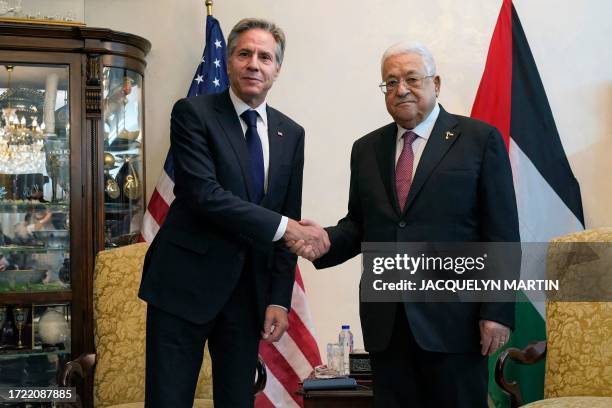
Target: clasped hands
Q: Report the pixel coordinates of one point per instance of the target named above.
(307, 239)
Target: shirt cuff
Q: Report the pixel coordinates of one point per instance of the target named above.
(280, 307)
(282, 227)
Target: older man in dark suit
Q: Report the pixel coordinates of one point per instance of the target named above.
(430, 176)
(217, 270)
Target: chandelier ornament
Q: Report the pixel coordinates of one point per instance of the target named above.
(21, 145)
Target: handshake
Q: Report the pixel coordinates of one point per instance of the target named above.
(306, 239)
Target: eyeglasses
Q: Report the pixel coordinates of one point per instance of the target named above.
(411, 82)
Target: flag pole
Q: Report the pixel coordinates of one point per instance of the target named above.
(209, 5)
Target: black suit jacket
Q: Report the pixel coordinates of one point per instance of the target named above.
(212, 231)
(462, 190)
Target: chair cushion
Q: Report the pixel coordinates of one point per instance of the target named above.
(579, 349)
(572, 402)
(199, 403)
(119, 329)
(579, 334)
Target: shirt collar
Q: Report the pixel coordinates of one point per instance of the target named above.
(240, 107)
(424, 128)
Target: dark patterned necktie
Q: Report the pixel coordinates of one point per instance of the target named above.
(403, 169)
(256, 154)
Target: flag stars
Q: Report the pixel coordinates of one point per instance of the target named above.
(199, 79)
(217, 63)
(203, 60)
(216, 82)
(218, 44)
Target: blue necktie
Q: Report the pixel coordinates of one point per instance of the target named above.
(256, 154)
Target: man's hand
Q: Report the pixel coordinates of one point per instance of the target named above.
(275, 324)
(307, 239)
(493, 336)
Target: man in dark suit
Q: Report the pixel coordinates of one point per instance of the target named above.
(217, 270)
(430, 176)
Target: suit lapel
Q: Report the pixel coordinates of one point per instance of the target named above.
(385, 156)
(228, 119)
(275, 143)
(435, 149)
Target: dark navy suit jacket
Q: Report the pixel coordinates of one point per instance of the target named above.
(213, 232)
(462, 191)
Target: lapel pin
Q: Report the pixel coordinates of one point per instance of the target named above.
(449, 135)
(279, 133)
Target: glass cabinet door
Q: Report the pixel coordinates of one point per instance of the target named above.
(34, 222)
(123, 184)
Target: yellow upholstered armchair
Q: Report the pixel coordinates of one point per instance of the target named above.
(119, 336)
(578, 350)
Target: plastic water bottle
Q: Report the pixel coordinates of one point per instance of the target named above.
(345, 339)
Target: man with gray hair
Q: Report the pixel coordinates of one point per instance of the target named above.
(217, 270)
(430, 176)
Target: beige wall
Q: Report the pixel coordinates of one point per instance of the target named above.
(328, 84)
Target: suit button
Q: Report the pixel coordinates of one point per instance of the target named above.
(402, 224)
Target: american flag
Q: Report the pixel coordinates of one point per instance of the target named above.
(293, 357)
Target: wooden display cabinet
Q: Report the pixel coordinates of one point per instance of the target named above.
(72, 182)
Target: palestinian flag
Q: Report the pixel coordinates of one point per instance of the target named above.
(512, 98)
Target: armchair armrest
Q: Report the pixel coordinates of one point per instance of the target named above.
(82, 366)
(531, 354)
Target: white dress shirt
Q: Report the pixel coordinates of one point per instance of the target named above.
(262, 130)
(423, 131)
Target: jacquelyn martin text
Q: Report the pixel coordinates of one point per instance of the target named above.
(455, 285)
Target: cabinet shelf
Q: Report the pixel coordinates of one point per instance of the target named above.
(121, 208)
(12, 354)
(32, 249)
(41, 297)
(24, 206)
(33, 287)
(122, 145)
